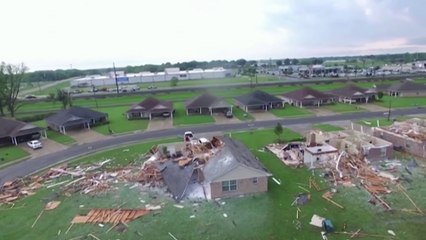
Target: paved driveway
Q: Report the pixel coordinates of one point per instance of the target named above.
(221, 119)
(372, 107)
(263, 115)
(49, 146)
(159, 124)
(86, 136)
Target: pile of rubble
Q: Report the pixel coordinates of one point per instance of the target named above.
(291, 154)
(98, 177)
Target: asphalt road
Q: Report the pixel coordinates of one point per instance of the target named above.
(33, 165)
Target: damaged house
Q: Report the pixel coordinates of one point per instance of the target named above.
(224, 171)
(357, 144)
(409, 135)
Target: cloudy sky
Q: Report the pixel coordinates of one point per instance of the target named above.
(50, 34)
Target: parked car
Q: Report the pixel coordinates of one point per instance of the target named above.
(30, 97)
(228, 114)
(34, 144)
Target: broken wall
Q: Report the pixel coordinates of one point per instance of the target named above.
(408, 144)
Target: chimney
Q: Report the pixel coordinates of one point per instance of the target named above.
(312, 140)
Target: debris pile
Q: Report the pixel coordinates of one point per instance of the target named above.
(114, 216)
(291, 154)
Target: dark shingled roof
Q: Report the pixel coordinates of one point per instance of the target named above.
(151, 104)
(176, 178)
(407, 86)
(75, 114)
(206, 100)
(257, 98)
(13, 128)
(229, 157)
(350, 90)
(303, 93)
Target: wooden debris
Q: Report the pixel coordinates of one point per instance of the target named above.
(93, 236)
(328, 195)
(304, 189)
(52, 205)
(411, 200)
(38, 217)
(355, 233)
(69, 228)
(171, 235)
(114, 216)
(314, 184)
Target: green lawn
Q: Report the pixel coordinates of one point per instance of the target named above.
(262, 216)
(238, 113)
(8, 154)
(401, 102)
(327, 127)
(180, 117)
(290, 111)
(343, 107)
(382, 121)
(51, 89)
(55, 136)
(118, 122)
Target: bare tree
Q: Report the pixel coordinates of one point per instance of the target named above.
(11, 77)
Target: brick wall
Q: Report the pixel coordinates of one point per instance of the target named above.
(408, 145)
(244, 186)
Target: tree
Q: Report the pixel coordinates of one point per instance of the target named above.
(279, 63)
(295, 61)
(287, 62)
(64, 97)
(241, 62)
(380, 95)
(11, 77)
(174, 81)
(278, 130)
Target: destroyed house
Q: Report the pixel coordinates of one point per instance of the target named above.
(234, 170)
(357, 144)
(307, 97)
(353, 94)
(149, 108)
(258, 100)
(407, 89)
(75, 118)
(409, 135)
(207, 104)
(318, 154)
(14, 132)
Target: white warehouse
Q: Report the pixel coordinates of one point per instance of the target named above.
(143, 77)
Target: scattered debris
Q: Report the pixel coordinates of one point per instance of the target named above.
(302, 199)
(276, 181)
(317, 221)
(391, 232)
(225, 215)
(172, 236)
(52, 205)
(291, 154)
(178, 206)
(110, 216)
(328, 195)
(38, 217)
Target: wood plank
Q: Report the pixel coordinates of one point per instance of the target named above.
(125, 216)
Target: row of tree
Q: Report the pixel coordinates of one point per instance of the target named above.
(11, 77)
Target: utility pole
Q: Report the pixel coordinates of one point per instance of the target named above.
(115, 77)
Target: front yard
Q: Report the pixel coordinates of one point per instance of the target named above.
(401, 102)
(8, 154)
(327, 127)
(55, 136)
(118, 122)
(180, 118)
(343, 107)
(290, 111)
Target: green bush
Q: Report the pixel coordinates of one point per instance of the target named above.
(34, 118)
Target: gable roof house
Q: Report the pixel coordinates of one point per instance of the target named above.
(258, 100)
(407, 89)
(307, 97)
(207, 104)
(234, 170)
(14, 132)
(150, 107)
(75, 118)
(353, 94)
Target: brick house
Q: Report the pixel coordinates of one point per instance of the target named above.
(354, 94)
(234, 170)
(307, 97)
(149, 108)
(407, 89)
(258, 100)
(14, 132)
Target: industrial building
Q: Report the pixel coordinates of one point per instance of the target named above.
(146, 77)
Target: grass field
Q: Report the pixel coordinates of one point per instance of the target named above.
(9, 154)
(343, 107)
(55, 136)
(118, 122)
(180, 117)
(290, 111)
(262, 216)
(327, 127)
(401, 102)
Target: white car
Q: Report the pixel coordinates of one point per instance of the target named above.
(35, 144)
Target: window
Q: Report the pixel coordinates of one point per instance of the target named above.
(255, 180)
(230, 185)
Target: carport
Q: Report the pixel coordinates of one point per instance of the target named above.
(14, 132)
(258, 100)
(207, 104)
(150, 107)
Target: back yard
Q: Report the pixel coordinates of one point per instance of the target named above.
(262, 216)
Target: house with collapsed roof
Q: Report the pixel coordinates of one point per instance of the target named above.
(149, 108)
(355, 143)
(409, 135)
(207, 104)
(258, 100)
(307, 97)
(406, 89)
(354, 94)
(232, 170)
(75, 118)
(14, 132)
